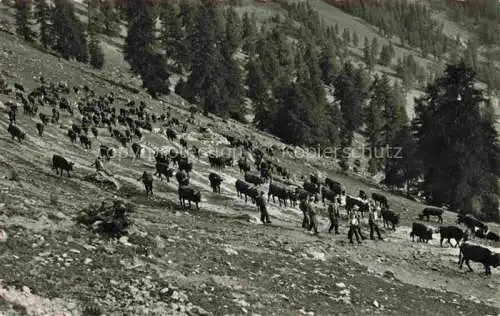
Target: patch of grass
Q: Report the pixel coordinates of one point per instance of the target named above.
(54, 199)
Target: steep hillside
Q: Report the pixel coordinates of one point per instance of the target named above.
(219, 260)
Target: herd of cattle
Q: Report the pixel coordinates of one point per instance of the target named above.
(130, 120)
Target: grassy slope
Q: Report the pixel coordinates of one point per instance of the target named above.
(277, 269)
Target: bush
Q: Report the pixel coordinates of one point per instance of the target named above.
(14, 175)
(110, 220)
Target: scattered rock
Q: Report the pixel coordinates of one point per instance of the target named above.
(3, 235)
(340, 285)
(230, 251)
(376, 304)
(87, 261)
(26, 289)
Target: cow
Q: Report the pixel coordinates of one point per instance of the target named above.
(253, 178)
(363, 195)
(171, 135)
(448, 232)
(182, 178)
(196, 151)
(334, 186)
(44, 118)
(106, 152)
(244, 189)
(220, 162)
(183, 143)
(162, 169)
(390, 217)
(243, 166)
(59, 163)
(215, 181)
(16, 132)
(489, 235)
(72, 135)
(311, 187)
(328, 194)
(185, 165)
(94, 131)
(478, 254)
(19, 87)
(431, 211)
(423, 232)
(147, 179)
(40, 128)
(189, 193)
(381, 199)
(85, 141)
(76, 128)
(279, 191)
(354, 201)
(137, 149)
(471, 223)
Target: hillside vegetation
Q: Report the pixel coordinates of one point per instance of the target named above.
(304, 83)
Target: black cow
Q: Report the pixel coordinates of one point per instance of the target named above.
(448, 232)
(423, 232)
(16, 132)
(334, 186)
(76, 128)
(215, 181)
(431, 211)
(196, 151)
(390, 217)
(183, 143)
(59, 163)
(311, 187)
(44, 118)
(328, 194)
(478, 254)
(40, 128)
(280, 191)
(220, 162)
(182, 178)
(19, 87)
(381, 199)
(95, 131)
(171, 135)
(147, 179)
(137, 149)
(363, 195)
(489, 235)
(253, 178)
(106, 152)
(353, 201)
(72, 135)
(243, 165)
(245, 189)
(189, 193)
(471, 222)
(85, 141)
(185, 165)
(162, 169)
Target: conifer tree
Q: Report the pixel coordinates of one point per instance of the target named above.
(111, 21)
(249, 33)
(233, 30)
(43, 15)
(458, 160)
(24, 19)
(69, 33)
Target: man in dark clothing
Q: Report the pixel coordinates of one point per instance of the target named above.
(333, 214)
(303, 206)
(372, 221)
(12, 116)
(261, 203)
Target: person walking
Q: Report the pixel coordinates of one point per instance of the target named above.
(372, 222)
(313, 220)
(353, 227)
(333, 214)
(261, 203)
(303, 206)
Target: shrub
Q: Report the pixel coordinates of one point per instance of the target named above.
(110, 220)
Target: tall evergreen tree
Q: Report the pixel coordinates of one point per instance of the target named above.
(43, 16)
(249, 33)
(328, 65)
(69, 33)
(95, 52)
(458, 161)
(172, 35)
(233, 30)
(111, 21)
(141, 51)
(24, 19)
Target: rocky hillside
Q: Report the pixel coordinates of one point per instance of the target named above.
(216, 261)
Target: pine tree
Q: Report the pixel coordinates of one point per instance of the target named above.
(43, 16)
(141, 50)
(346, 35)
(69, 33)
(95, 52)
(355, 39)
(233, 30)
(367, 55)
(95, 18)
(328, 65)
(385, 56)
(249, 33)
(111, 23)
(394, 113)
(172, 35)
(459, 166)
(23, 19)
(375, 122)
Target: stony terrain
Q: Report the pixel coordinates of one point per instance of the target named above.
(219, 260)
